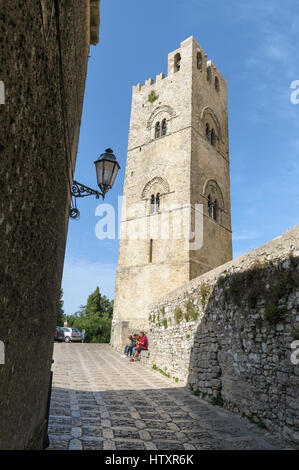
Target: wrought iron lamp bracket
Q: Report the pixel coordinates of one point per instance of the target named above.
(80, 190)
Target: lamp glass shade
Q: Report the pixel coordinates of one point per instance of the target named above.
(107, 168)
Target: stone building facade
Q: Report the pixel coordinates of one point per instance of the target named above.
(232, 335)
(176, 220)
(44, 48)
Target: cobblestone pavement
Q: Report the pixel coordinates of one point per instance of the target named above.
(102, 401)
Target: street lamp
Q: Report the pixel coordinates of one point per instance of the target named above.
(107, 168)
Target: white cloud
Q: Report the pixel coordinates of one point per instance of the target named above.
(81, 277)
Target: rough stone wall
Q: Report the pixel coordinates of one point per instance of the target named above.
(228, 334)
(39, 130)
(177, 166)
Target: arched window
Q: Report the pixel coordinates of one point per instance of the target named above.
(210, 206)
(199, 61)
(217, 84)
(177, 62)
(164, 127)
(215, 210)
(157, 130)
(213, 138)
(208, 133)
(209, 74)
(158, 202)
(214, 201)
(153, 204)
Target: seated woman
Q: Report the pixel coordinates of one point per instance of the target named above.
(142, 345)
(129, 347)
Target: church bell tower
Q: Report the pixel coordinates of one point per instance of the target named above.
(176, 216)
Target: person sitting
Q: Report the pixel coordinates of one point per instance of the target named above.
(129, 347)
(142, 345)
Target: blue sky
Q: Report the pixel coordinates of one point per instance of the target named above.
(255, 45)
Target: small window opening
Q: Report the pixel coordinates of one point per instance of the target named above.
(215, 210)
(157, 130)
(151, 251)
(208, 133)
(213, 138)
(164, 127)
(153, 205)
(158, 202)
(177, 62)
(199, 61)
(209, 74)
(210, 206)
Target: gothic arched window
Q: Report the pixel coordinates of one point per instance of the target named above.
(177, 62)
(164, 127)
(213, 138)
(208, 133)
(215, 210)
(199, 61)
(157, 130)
(217, 84)
(214, 201)
(210, 206)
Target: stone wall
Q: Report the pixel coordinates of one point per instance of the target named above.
(44, 47)
(228, 334)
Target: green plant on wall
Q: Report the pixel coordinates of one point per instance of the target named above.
(204, 293)
(164, 322)
(266, 282)
(274, 314)
(191, 312)
(152, 97)
(218, 400)
(178, 314)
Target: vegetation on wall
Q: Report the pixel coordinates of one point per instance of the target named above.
(204, 293)
(265, 282)
(178, 315)
(152, 97)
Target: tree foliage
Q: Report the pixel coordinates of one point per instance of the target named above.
(95, 318)
(60, 311)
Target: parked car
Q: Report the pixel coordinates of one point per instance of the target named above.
(71, 334)
(59, 334)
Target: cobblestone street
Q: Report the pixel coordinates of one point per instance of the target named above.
(102, 401)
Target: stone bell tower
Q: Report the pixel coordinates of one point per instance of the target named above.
(176, 182)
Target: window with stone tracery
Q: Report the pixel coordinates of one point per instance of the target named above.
(214, 201)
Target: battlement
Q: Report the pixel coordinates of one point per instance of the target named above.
(187, 58)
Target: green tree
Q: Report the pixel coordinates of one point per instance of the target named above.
(60, 311)
(95, 317)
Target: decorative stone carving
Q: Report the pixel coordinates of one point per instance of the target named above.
(158, 110)
(157, 180)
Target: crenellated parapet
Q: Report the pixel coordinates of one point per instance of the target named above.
(179, 61)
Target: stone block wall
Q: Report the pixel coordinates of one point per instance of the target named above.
(228, 335)
(44, 47)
